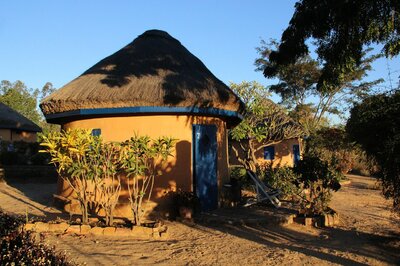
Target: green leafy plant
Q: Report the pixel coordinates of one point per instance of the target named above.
(264, 124)
(109, 189)
(375, 125)
(140, 156)
(75, 154)
(19, 247)
(282, 178)
(93, 168)
(316, 180)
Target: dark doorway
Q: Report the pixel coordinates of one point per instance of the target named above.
(205, 165)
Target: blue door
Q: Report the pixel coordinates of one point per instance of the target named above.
(205, 165)
(296, 154)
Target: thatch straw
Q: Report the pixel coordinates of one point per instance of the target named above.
(153, 70)
(11, 119)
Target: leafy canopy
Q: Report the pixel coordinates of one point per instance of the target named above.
(340, 30)
(297, 86)
(265, 123)
(375, 124)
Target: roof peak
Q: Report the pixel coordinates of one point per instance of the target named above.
(157, 33)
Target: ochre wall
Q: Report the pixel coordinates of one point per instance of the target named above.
(12, 135)
(177, 171)
(283, 154)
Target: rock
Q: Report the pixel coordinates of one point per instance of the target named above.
(85, 229)
(58, 228)
(123, 232)
(142, 232)
(29, 227)
(73, 229)
(164, 235)
(41, 227)
(96, 231)
(109, 231)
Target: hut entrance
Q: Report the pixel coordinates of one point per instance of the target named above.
(205, 165)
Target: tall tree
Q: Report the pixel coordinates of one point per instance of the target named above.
(297, 86)
(17, 96)
(340, 30)
(264, 123)
(375, 124)
(25, 100)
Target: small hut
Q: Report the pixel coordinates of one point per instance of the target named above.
(16, 127)
(154, 86)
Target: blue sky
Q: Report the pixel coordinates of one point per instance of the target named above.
(56, 41)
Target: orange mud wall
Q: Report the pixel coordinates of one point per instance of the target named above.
(13, 135)
(177, 172)
(283, 154)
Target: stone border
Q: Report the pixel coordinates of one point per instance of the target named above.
(326, 220)
(137, 232)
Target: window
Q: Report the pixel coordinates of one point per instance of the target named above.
(269, 153)
(96, 132)
(296, 154)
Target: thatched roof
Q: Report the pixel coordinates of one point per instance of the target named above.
(154, 70)
(11, 119)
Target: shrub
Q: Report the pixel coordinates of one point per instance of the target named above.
(283, 179)
(20, 248)
(333, 146)
(139, 158)
(92, 168)
(318, 179)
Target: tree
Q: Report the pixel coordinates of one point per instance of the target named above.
(17, 96)
(264, 123)
(375, 125)
(298, 88)
(25, 101)
(340, 30)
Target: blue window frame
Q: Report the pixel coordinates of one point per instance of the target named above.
(269, 152)
(96, 132)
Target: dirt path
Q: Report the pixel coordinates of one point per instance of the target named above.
(368, 235)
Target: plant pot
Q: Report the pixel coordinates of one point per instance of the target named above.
(186, 212)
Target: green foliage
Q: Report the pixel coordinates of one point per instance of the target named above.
(332, 146)
(20, 248)
(75, 154)
(264, 123)
(307, 102)
(340, 30)
(282, 178)
(92, 168)
(17, 96)
(186, 199)
(375, 125)
(25, 101)
(318, 179)
(140, 157)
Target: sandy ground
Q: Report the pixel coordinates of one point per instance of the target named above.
(368, 235)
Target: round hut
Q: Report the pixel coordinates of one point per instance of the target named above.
(154, 86)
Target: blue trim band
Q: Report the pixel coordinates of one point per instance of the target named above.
(147, 110)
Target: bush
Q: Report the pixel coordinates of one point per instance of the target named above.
(375, 125)
(20, 248)
(239, 173)
(282, 178)
(318, 179)
(333, 146)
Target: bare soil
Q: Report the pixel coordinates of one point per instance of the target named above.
(368, 234)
